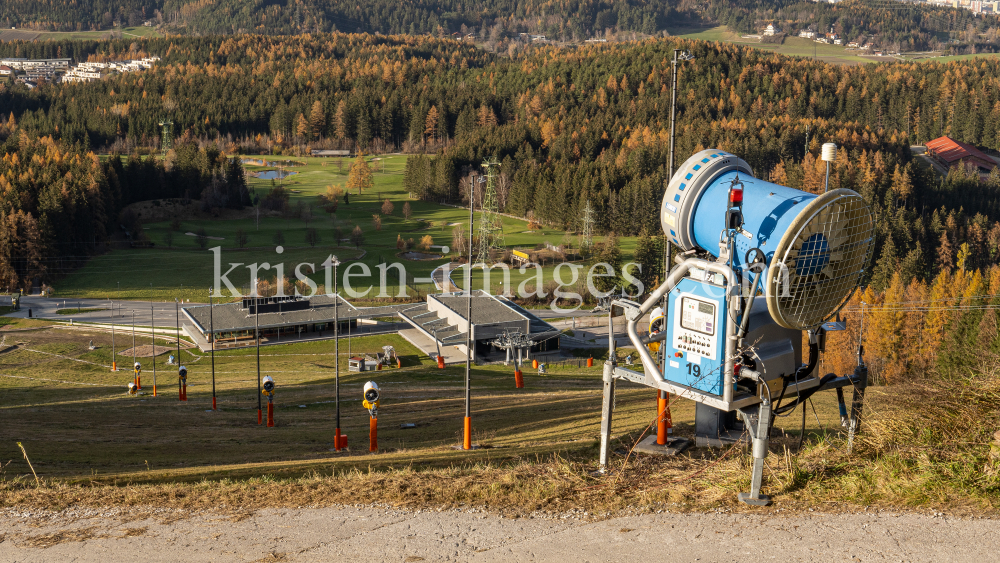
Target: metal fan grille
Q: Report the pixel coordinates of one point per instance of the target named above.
(814, 272)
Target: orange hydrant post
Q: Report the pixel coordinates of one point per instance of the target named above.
(336, 439)
(373, 435)
(184, 392)
(467, 434)
(534, 364)
(661, 420)
(518, 379)
(260, 417)
(270, 413)
(590, 362)
(440, 362)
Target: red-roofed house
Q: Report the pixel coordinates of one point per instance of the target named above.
(950, 152)
(6, 70)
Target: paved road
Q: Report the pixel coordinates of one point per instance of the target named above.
(387, 534)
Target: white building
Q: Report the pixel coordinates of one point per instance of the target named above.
(771, 30)
(91, 70)
(807, 34)
(25, 64)
(83, 75)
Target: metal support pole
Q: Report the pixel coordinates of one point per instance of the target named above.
(336, 352)
(211, 335)
(760, 442)
(114, 362)
(177, 319)
(673, 111)
(467, 426)
(666, 241)
(256, 333)
(152, 323)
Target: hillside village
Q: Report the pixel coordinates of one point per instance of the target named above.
(31, 71)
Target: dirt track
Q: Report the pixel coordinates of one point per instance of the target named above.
(388, 534)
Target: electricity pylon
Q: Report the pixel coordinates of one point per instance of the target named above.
(490, 225)
(588, 228)
(167, 136)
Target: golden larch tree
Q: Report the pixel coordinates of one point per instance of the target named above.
(340, 121)
(317, 119)
(360, 176)
(302, 127)
(431, 123)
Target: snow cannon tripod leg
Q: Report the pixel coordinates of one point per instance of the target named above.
(607, 409)
(759, 441)
(857, 404)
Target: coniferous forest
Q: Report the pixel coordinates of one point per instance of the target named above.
(899, 25)
(570, 125)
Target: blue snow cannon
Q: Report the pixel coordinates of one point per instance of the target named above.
(816, 246)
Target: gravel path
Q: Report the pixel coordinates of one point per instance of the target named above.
(389, 534)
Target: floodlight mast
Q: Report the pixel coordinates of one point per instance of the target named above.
(662, 397)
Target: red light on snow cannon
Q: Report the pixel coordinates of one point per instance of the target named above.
(736, 196)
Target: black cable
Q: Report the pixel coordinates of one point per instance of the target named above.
(803, 371)
(802, 432)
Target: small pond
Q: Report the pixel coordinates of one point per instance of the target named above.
(419, 256)
(273, 174)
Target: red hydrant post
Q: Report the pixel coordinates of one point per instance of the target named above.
(182, 375)
(373, 434)
(269, 393)
(440, 362)
(518, 379)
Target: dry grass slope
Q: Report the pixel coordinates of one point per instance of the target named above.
(926, 444)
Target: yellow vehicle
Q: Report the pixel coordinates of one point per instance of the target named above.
(656, 320)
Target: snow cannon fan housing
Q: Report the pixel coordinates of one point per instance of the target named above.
(816, 246)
